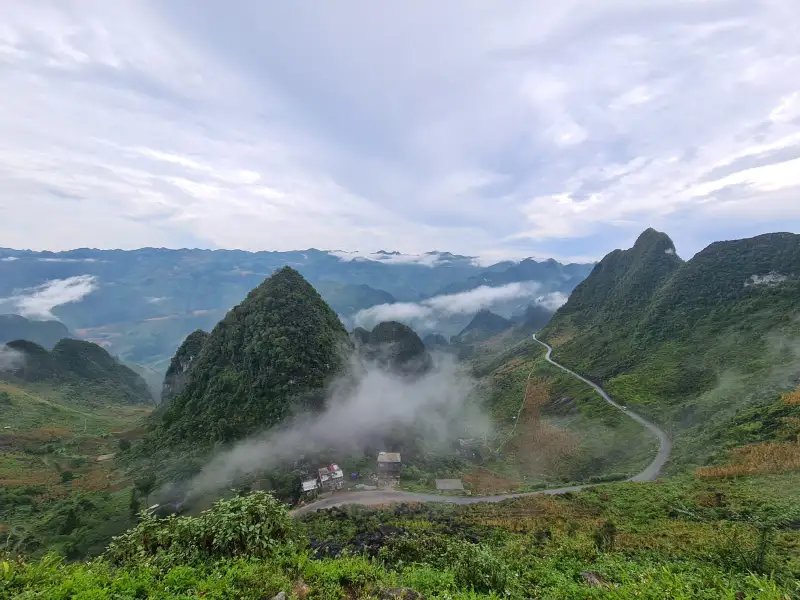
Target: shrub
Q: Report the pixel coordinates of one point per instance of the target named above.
(255, 525)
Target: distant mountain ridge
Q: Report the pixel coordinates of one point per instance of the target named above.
(141, 304)
(92, 371)
(44, 333)
(483, 325)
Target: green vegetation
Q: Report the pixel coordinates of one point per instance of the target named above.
(695, 345)
(44, 333)
(83, 368)
(272, 353)
(179, 366)
(670, 540)
(55, 495)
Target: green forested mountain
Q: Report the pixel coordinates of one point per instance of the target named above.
(271, 354)
(44, 333)
(691, 343)
(180, 364)
(483, 325)
(85, 367)
(395, 346)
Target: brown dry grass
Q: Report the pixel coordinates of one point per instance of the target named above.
(757, 459)
(539, 447)
(486, 482)
(792, 398)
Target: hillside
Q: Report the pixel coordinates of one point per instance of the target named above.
(483, 325)
(270, 355)
(83, 367)
(692, 343)
(179, 366)
(44, 333)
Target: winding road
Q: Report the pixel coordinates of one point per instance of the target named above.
(380, 497)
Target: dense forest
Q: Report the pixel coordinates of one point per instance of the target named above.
(270, 355)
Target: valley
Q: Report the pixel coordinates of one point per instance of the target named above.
(582, 439)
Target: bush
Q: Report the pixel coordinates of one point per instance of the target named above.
(254, 525)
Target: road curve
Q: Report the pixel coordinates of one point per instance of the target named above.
(379, 497)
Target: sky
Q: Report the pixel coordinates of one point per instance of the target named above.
(493, 129)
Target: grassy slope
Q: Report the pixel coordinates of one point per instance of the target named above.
(672, 540)
(47, 431)
(699, 349)
(570, 434)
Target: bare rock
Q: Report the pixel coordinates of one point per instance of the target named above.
(593, 579)
(279, 596)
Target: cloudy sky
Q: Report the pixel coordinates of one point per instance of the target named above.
(497, 129)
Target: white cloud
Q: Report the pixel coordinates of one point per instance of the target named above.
(503, 127)
(39, 301)
(9, 259)
(427, 312)
(428, 259)
(67, 260)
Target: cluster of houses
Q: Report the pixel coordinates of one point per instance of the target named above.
(331, 477)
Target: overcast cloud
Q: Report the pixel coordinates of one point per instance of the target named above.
(511, 128)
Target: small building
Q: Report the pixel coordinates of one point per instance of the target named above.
(330, 477)
(449, 484)
(310, 486)
(389, 465)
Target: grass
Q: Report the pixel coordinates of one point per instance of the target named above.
(54, 493)
(680, 539)
(564, 431)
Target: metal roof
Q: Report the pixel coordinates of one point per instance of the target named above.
(449, 484)
(390, 457)
(309, 485)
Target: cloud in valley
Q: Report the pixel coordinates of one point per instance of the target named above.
(426, 313)
(38, 302)
(362, 407)
(10, 359)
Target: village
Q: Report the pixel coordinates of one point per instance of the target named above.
(332, 478)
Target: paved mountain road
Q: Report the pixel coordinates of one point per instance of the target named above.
(379, 497)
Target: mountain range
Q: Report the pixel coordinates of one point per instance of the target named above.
(694, 344)
(141, 304)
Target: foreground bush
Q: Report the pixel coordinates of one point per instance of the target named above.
(256, 525)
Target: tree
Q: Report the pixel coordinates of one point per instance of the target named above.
(135, 505)
(145, 486)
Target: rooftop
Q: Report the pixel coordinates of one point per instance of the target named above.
(390, 457)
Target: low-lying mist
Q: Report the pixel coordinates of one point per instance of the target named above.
(362, 407)
(10, 359)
